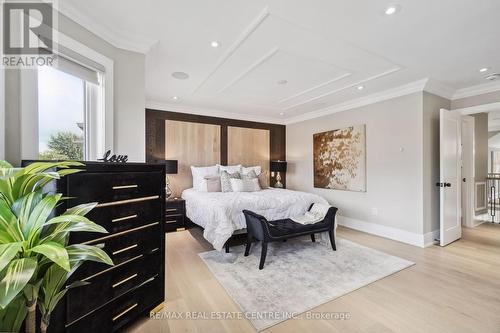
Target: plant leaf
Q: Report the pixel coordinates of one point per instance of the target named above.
(70, 223)
(9, 229)
(8, 252)
(81, 210)
(40, 214)
(55, 252)
(17, 275)
(12, 317)
(80, 252)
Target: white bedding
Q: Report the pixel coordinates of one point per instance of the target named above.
(221, 213)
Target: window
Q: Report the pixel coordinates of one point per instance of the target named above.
(69, 112)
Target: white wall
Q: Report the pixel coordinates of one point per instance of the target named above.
(395, 164)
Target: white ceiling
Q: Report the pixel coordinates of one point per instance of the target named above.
(325, 49)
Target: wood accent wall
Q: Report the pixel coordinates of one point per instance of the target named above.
(190, 144)
(248, 146)
(155, 134)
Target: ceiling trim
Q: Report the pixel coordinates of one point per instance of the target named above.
(374, 77)
(157, 105)
(439, 89)
(113, 37)
(253, 66)
(479, 108)
(247, 32)
(403, 90)
(480, 89)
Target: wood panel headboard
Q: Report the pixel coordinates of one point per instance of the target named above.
(190, 144)
(257, 140)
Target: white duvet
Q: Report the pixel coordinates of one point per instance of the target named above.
(222, 213)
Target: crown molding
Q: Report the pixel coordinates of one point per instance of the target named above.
(439, 89)
(410, 88)
(480, 89)
(113, 37)
(162, 106)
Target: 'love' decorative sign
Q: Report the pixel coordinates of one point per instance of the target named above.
(114, 158)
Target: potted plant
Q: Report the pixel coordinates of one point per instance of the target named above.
(35, 258)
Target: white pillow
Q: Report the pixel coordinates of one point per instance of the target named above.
(199, 174)
(230, 168)
(245, 185)
(257, 169)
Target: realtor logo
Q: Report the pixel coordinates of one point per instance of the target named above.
(27, 33)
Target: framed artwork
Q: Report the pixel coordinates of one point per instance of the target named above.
(340, 159)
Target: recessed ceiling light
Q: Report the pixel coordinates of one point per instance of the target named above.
(392, 9)
(361, 87)
(215, 44)
(282, 113)
(282, 82)
(180, 75)
(484, 69)
(175, 98)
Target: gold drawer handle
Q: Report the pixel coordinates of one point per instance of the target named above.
(124, 280)
(171, 209)
(125, 249)
(124, 312)
(123, 187)
(171, 221)
(124, 218)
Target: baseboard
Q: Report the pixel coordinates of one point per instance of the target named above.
(420, 240)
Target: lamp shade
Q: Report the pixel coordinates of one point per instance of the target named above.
(278, 166)
(171, 167)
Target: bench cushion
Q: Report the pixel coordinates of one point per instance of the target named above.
(287, 227)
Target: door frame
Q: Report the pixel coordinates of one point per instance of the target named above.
(468, 172)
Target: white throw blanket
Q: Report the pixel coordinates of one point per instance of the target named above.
(316, 214)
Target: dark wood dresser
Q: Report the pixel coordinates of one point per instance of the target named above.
(131, 207)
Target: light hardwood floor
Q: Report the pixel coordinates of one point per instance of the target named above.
(451, 289)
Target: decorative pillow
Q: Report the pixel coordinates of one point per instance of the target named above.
(264, 179)
(229, 168)
(200, 172)
(245, 185)
(211, 184)
(250, 175)
(225, 180)
(257, 169)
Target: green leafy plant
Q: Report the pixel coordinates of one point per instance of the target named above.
(35, 258)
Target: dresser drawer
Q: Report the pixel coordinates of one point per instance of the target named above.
(120, 218)
(123, 247)
(122, 311)
(111, 187)
(108, 285)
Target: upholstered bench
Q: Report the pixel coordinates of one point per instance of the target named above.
(259, 228)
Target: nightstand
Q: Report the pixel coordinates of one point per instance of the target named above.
(175, 215)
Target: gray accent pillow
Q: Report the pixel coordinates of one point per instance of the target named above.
(225, 181)
(250, 175)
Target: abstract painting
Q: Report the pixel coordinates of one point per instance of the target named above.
(340, 159)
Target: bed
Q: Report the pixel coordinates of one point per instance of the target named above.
(221, 214)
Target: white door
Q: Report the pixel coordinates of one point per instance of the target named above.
(450, 176)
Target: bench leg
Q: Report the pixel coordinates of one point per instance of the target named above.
(263, 254)
(313, 239)
(332, 240)
(227, 247)
(249, 244)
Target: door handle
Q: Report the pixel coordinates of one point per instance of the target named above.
(443, 184)
(447, 184)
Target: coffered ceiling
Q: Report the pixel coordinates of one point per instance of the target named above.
(280, 59)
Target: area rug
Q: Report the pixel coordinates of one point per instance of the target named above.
(298, 276)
